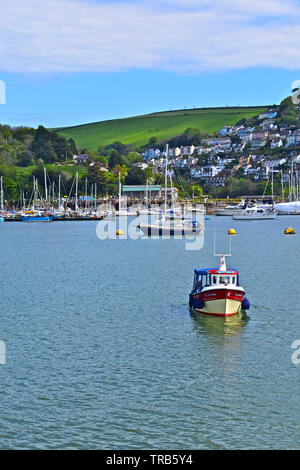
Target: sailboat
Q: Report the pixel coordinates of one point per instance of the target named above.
(292, 206)
(34, 214)
(168, 227)
(147, 208)
(1, 197)
(122, 212)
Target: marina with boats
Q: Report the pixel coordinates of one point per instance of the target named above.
(161, 202)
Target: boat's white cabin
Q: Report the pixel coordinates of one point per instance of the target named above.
(223, 279)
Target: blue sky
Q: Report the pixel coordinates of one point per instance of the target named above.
(76, 61)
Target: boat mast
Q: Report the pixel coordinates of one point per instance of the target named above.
(76, 191)
(2, 206)
(120, 189)
(166, 177)
(222, 255)
(282, 190)
(85, 194)
(272, 184)
(59, 191)
(53, 195)
(146, 198)
(46, 189)
(34, 193)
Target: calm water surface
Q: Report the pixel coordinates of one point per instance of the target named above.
(102, 351)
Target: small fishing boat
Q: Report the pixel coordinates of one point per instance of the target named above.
(217, 291)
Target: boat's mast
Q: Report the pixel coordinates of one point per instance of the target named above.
(166, 177)
(272, 182)
(2, 206)
(146, 198)
(172, 192)
(95, 195)
(291, 190)
(222, 255)
(120, 190)
(34, 193)
(53, 195)
(46, 189)
(59, 191)
(76, 191)
(282, 190)
(85, 194)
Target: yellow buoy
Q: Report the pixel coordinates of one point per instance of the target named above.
(289, 231)
(231, 231)
(119, 232)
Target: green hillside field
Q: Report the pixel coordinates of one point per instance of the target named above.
(138, 129)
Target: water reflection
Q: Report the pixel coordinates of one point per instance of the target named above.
(219, 327)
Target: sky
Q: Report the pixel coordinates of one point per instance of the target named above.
(67, 62)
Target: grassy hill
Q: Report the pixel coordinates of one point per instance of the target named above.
(138, 129)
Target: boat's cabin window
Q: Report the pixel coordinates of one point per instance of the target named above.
(224, 280)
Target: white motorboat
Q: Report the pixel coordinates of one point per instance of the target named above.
(255, 213)
(227, 210)
(230, 209)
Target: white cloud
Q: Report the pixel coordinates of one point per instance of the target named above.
(191, 36)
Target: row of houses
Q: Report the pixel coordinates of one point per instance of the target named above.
(211, 146)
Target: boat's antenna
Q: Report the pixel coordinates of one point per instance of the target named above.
(222, 255)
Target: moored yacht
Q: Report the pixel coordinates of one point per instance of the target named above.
(228, 210)
(163, 227)
(255, 212)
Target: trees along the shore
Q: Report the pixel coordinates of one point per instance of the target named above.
(115, 159)
(136, 176)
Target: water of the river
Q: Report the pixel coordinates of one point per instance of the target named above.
(103, 352)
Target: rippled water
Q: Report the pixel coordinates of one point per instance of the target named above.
(102, 351)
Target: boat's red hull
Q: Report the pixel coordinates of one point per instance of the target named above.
(220, 302)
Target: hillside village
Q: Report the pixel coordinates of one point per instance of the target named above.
(248, 151)
(252, 150)
(235, 160)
